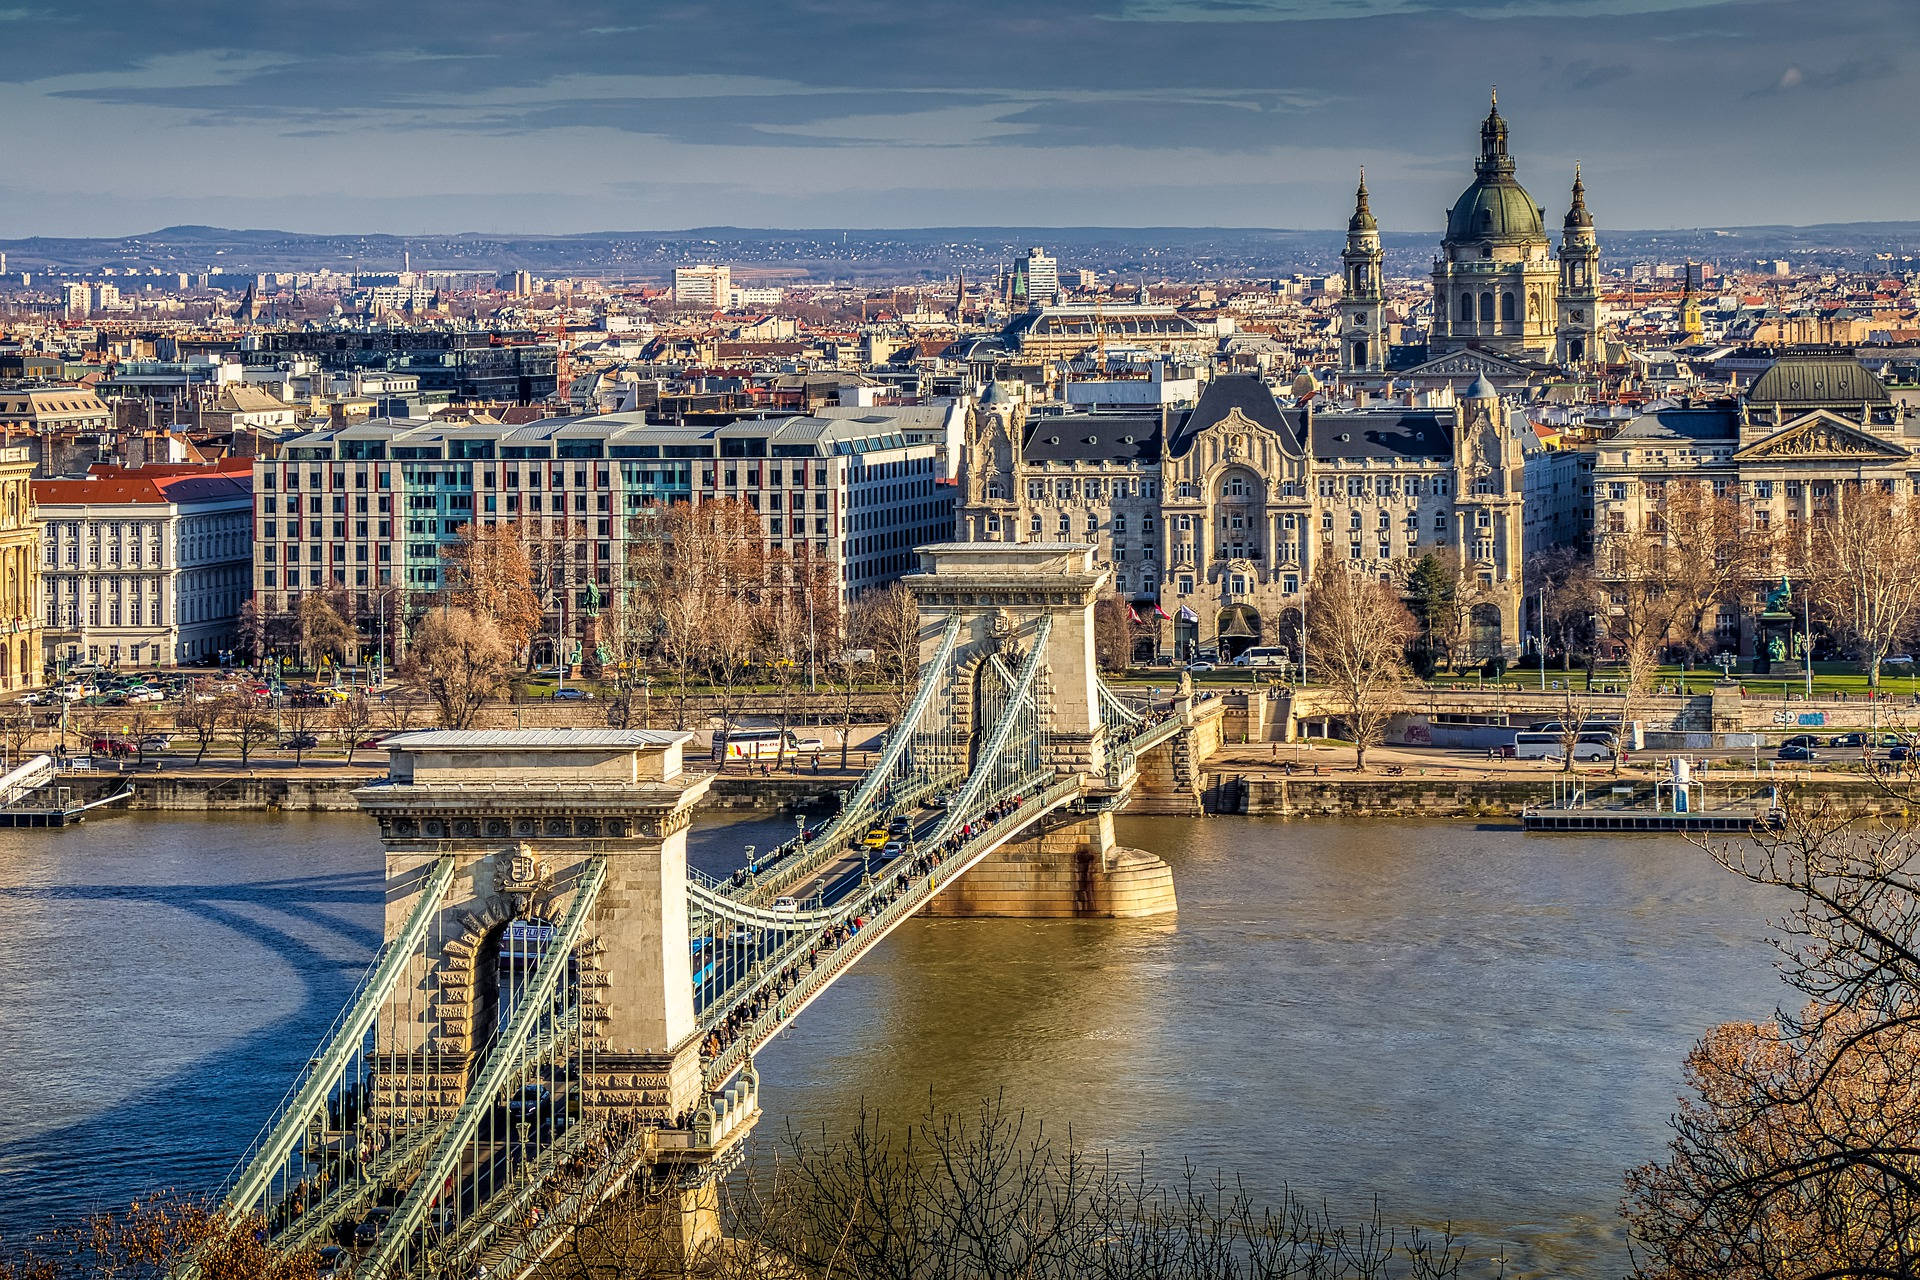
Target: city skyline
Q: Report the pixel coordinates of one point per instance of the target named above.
(1125, 113)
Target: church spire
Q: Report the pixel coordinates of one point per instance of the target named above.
(1363, 219)
(1577, 215)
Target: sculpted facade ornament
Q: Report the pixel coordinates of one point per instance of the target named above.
(1822, 438)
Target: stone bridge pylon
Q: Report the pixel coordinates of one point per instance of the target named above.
(1070, 865)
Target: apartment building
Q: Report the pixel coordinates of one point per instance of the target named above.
(370, 508)
(144, 566)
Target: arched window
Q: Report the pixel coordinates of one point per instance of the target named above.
(1466, 307)
(1506, 308)
(1486, 307)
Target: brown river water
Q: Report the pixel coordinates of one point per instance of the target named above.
(1462, 1023)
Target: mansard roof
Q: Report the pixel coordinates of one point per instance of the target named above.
(1127, 439)
(1383, 434)
(1798, 380)
(1247, 393)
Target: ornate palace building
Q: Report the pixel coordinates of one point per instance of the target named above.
(1220, 514)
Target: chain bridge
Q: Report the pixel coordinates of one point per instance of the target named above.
(562, 1007)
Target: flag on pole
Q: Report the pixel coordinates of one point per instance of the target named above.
(1162, 612)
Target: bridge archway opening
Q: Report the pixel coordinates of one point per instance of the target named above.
(1239, 630)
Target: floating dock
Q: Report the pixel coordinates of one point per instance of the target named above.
(1677, 803)
(1627, 818)
(29, 797)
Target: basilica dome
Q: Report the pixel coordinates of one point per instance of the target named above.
(1495, 207)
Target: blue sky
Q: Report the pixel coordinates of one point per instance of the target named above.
(499, 115)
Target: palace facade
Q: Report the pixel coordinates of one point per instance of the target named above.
(1220, 514)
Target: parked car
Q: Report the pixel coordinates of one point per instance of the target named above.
(35, 699)
(115, 748)
(1797, 751)
(572, 695)
(155, 741)
(300, 742)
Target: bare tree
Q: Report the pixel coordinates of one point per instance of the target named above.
(351, 720)
(695, 573)
(201, 714)
(400, 709)
(1115, 629)
(324, 631)
(1863, 569)
(491, 574)
(155, 1238)
(887, 621)
(16, 730)
(1360, 634)
(1797, 1154)
(458, 660)
(252, 726)
(300, 720)
(1691, 552)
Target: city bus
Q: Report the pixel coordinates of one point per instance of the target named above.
(1553, 746)
(766, 744)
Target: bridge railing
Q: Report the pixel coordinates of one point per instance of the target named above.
(266, 1159)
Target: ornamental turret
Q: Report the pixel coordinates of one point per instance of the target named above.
(1363, 338)
(1579, 328)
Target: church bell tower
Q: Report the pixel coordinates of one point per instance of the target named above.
(1578, 337)
(1363, 337)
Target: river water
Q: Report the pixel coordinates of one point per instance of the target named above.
(1466, 1023)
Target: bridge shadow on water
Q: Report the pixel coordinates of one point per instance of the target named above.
(233, 949)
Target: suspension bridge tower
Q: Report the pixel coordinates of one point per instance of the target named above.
(1008, 597)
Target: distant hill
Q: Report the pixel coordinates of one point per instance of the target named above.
(1178, 253)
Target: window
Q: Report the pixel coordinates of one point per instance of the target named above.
(1119, 524)
(1186, 586)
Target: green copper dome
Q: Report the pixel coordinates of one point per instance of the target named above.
(1496, 207)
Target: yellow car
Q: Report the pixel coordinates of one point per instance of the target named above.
(876, 838)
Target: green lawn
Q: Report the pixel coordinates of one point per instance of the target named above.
(1829, 678)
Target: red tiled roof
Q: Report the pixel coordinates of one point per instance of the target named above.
(158, 484)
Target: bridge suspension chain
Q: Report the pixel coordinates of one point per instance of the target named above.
(308, 1100)
(740, 951)
(922, 756)
(470, 1167)
(931, 679)
(882, 907)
